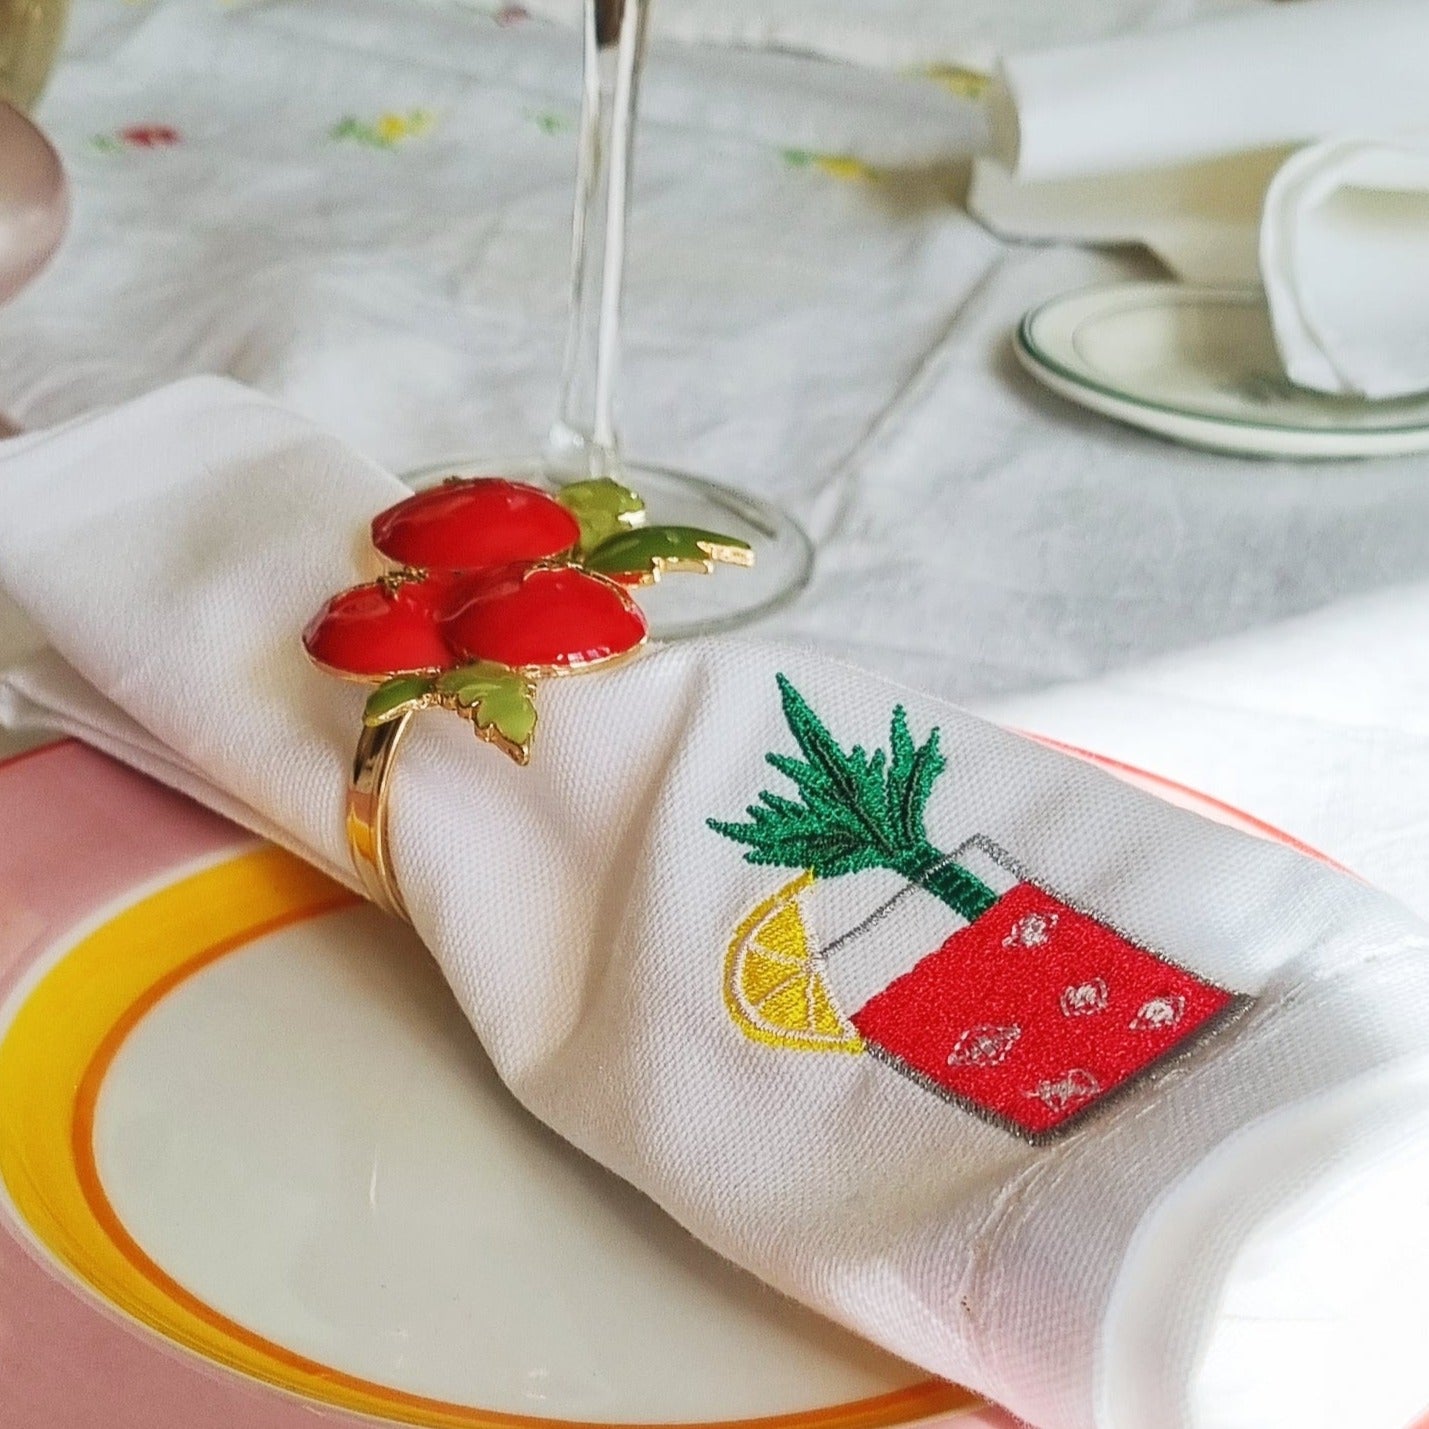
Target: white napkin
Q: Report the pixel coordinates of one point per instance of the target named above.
(1320, 726)
(1344, 255)
(597, 931)
(1180, 141)
(1254, 79)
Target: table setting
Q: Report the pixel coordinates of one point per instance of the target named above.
(1291, 211)
(870, 872)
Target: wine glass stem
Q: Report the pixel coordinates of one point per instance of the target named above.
(583, 441)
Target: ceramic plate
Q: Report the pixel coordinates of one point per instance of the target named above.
(254, 1166)
(1199, 365)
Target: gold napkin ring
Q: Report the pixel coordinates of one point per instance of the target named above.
(367, 827)
(489, 586)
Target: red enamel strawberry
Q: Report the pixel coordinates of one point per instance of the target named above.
(390, 627)
(475, 524)
(499, 584)
(535, 618)
(473, 643)
(542, 618)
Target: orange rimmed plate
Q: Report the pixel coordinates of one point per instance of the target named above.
(255, 1169)
(254, 1166)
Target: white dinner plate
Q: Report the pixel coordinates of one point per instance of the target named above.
(255, 1170)
(1199, 366)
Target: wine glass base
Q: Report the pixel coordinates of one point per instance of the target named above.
(680, 606)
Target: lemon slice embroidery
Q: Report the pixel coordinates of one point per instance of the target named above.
(774, 988)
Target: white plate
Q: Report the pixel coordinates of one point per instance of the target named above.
(1199, 365)
(242, 1115)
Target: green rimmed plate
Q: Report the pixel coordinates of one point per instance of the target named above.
(1199, 366)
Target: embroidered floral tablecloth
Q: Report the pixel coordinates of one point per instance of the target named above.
(361, 207)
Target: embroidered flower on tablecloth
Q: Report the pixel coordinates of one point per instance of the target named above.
(837, 166)
(387, 131)
(138, 136)
(958, 80)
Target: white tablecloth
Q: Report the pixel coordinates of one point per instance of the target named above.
(903, 33)
(361, 208)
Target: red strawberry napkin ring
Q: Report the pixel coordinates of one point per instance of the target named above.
(491, 586)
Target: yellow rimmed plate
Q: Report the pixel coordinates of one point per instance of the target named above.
(240, 1112)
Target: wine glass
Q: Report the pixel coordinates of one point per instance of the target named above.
(583, 443)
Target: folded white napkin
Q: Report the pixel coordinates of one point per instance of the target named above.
(1256, 78)
(1180, 141)
(1319, 725)
(1344, 256)
(1021, 1086)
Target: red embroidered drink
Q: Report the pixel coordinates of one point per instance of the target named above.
(969, 977)
(1034, 1011)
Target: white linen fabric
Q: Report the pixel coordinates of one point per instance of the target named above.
(831, 334)
(899, 33)
(1182, 142)
(410, 292)
(1318, 725)
(1200, 218)
(581, 909)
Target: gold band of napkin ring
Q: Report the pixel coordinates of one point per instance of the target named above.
(368, 833)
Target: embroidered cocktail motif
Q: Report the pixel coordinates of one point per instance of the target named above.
(493, 584)
(967, 975)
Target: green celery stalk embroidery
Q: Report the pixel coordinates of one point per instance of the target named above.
(855, 810)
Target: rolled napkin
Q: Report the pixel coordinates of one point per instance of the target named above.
(1320, 725)
(1186, 142)
(1262, 77)
(1008, 1067)
(1343, 242)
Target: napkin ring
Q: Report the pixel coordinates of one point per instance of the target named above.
(489, 586)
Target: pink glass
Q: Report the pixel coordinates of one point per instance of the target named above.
(34, 207)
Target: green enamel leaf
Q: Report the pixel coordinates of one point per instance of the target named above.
(397, 697)
(602, 507)
(497, 700)
(469, 683)
(650, 550)
(510, 711)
